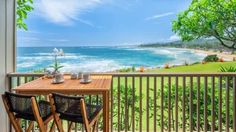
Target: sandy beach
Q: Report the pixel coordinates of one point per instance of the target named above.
(226, 56)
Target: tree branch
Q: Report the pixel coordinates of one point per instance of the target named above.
(217, 36)
(222, 43)
(230, 34)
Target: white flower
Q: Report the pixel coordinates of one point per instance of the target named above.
(55, 51)
(61, 52)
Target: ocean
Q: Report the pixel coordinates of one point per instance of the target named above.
(103, 59)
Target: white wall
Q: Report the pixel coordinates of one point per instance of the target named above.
(7, 52)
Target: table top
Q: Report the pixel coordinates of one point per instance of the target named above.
(99, 84)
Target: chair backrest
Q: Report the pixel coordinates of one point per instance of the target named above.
(18, 103)
(67, 105)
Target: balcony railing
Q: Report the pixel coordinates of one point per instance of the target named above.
(165, 102)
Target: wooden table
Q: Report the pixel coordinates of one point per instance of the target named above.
(100, 84)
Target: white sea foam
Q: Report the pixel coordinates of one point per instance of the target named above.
(180, 56)
(134, 48)
(159, 51)
(51, 54)
(92, 66)
(42, 54)
(26, 64)
(49, 58)
(34, 58)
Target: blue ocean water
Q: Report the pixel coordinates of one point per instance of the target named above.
(102, 59)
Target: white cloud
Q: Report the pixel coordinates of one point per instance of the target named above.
(28, 31)
(28, 39)
(32, 39)
(174, 38)
(86, 22)
(66, 11)
(160, 16)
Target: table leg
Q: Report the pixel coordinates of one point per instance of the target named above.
(106, 111)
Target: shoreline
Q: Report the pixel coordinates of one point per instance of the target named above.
(225, 55)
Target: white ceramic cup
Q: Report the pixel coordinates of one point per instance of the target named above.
(86, 77)
(80, 75)
(74, 75)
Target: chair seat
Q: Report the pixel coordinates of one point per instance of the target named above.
(44, 108)
(92, 111)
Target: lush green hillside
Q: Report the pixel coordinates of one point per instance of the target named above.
(209, 67)
(204, 44)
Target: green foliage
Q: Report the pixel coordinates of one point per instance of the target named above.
(228, 69)
(200, 68)
(203, 44)
(186, 90)
(195, 63)
(129, 69)
(133, 69)
(22, 10)
(230, 79)
(38, 71)
(211, 58)
(56, 66)
(208, 18)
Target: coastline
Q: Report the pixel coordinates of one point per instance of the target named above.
(111, 59)
(225, 55)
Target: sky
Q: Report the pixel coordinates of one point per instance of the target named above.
(100, 22)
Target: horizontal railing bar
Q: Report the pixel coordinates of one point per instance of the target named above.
(15, 74)
(169, 74)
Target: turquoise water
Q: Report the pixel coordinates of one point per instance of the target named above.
(102, 59)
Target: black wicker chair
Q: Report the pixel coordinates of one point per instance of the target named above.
(26, 107)
(74, 109)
